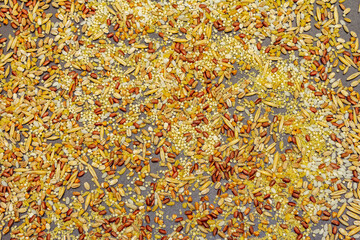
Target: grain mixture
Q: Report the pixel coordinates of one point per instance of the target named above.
(192, 119)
